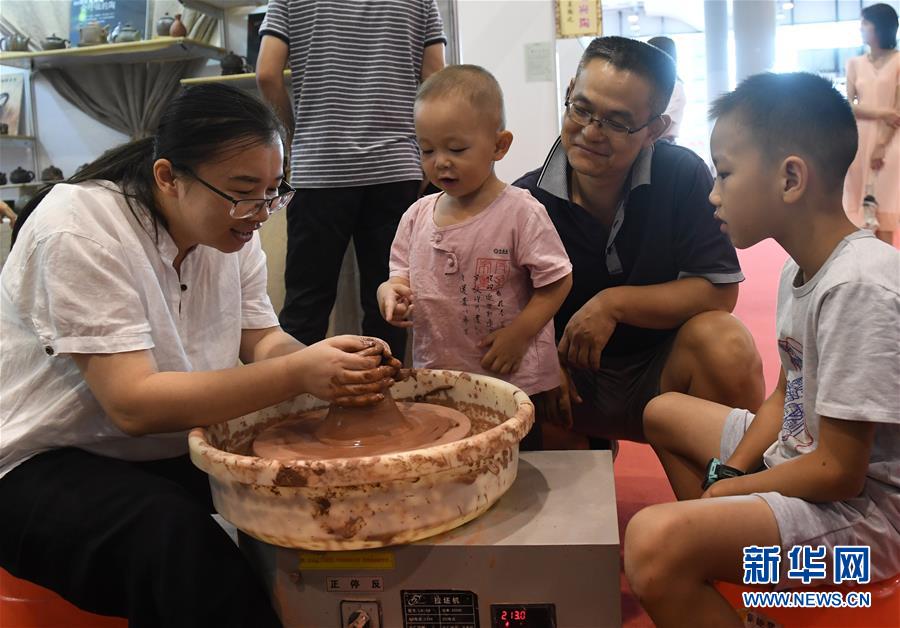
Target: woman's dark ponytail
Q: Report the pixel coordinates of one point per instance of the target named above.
(197, 126)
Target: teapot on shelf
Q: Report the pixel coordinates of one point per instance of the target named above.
(51, 173)
(20, 175)
(234, 64)
(14, 43)
(92, 33)
(2, 178)
(125, 34)
(164, 25)
(54, 43)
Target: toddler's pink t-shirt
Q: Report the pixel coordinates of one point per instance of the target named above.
(476, 276)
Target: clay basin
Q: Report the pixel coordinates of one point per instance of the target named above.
(373, 501)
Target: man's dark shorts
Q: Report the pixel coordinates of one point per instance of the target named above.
(613, 398)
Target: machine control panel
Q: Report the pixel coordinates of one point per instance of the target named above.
(523, 616)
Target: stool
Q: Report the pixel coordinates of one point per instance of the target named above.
(27, 605)
(884, 612)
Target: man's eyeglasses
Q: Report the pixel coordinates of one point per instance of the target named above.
(242, 208)
(583, 117)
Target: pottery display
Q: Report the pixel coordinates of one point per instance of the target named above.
(234, 64)
(2, 178)
(178, 28)
(125, 34)
(54, 43)
(164, 24)
(20, 175)
(92, 33)
(357, 502)
(14, 43)
(51, 173)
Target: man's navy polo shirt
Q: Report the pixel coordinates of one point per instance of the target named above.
(664, 229)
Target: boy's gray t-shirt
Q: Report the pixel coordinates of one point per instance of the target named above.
(839, 341)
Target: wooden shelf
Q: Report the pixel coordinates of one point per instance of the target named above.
(156, 49)
(16, 186)
(223, 4)
(245, 81)
(18, 138)
(216, 7)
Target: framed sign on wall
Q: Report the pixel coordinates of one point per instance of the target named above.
(578, 18)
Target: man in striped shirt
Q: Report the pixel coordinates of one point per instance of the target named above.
(355, 67)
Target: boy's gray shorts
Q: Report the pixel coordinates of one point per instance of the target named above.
(871, 519)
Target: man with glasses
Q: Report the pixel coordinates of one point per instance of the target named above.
(654, 278)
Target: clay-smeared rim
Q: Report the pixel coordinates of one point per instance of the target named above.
(463, 455)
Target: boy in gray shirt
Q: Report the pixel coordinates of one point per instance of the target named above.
(819, 463)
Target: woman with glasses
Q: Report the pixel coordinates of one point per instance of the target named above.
(131, 293)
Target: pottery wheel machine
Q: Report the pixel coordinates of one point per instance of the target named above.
(546, 555)
(460, 535)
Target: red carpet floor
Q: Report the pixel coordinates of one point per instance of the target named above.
(640, 480)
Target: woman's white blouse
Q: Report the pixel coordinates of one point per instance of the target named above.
(86, 276)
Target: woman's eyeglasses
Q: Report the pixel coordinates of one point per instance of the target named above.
(242, 208)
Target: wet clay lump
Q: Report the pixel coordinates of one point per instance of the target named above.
(349, 431)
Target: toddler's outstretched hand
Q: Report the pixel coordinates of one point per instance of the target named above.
(507, 347)
(395, 302)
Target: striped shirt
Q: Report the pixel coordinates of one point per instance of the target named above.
(355, 68)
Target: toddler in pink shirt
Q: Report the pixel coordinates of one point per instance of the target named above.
(477, 270)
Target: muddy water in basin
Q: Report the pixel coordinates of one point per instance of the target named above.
(345, 432)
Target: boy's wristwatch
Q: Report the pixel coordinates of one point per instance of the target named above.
(716, 470)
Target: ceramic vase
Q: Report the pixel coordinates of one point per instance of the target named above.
(178, 28)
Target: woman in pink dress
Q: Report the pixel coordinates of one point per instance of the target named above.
(873, 88)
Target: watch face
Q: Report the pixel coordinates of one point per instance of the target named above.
(712, 473)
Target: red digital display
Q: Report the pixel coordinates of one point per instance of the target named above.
(523, 616)
(516, 615)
